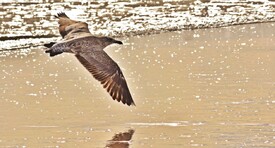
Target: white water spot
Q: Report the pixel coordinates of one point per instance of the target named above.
(158, 124)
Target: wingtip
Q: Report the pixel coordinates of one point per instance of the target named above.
(131, 103)
(61, 14)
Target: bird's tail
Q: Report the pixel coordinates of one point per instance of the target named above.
(51, 51)
(49, 45)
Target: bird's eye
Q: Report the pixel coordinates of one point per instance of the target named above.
(86, 44)
(72, 44)
(78, 43)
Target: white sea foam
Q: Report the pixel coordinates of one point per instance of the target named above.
(129, 18)
(158, 124)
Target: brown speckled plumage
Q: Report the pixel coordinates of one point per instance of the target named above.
(88, 49)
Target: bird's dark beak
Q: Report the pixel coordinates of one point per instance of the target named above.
(119, 42)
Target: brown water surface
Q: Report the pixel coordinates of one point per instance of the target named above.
(197, 88)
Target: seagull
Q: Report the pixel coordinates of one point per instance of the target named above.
(89, 50)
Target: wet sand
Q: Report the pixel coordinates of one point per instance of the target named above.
(196, 88)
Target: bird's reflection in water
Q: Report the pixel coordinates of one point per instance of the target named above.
(121, 140)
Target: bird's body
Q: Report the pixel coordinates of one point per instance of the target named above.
(88, 49)
(82, 44)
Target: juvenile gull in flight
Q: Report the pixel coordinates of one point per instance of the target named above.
(88, 49)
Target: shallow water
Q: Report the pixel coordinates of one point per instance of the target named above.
(197, 88)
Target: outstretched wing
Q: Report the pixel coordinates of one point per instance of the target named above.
(105, 70)
(69, 28)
